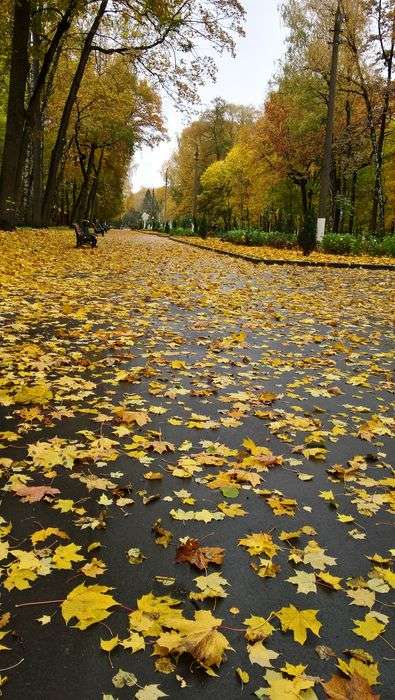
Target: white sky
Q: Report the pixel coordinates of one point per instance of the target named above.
(242, 80)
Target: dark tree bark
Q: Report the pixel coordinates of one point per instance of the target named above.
(377, 124)
(325, 175)
(353, 195)
(24, 122)
(19, 71)
(79, 211)
(58, 149)
(91, 205)
(36, 132)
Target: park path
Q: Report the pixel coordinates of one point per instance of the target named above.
(158, 386)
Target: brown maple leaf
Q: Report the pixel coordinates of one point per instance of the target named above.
(353, 688)
(198, 556)
(32, 494)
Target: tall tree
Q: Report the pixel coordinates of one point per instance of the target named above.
(19, 72)
(325, 175)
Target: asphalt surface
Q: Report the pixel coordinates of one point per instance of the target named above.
(147, 303)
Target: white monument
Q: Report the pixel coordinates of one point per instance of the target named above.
(320, 229)
(145, 217)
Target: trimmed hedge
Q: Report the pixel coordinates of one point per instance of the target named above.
(347, 244)
(274, 239)
(339, 244)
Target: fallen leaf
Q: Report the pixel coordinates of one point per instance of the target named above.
(298, 621)
(192, 552)
(88, 605)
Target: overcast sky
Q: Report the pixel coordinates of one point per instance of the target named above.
(242, 80)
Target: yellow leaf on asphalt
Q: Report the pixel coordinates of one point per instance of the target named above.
(19, 578)
(304, 581)
(199, 637)
(369, 628)
(65, 555)
(260, 655)
(259, 543)
(211, 586)
(299, 621)
(258, 628)
(109, 644)
(88, 605)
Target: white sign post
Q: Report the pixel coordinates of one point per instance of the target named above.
(320, 229)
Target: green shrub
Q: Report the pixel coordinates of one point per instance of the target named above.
(235, 236)
(384, 246)
(341, 244)
(275, 239)
(181, 232)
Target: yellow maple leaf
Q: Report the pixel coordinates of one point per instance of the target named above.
(258, 543)
(369, 628)
(88, 605)
(199, 638)
(327, 578)
(293, 670)
(266, 568)
(178, 364)
(65, 505)
(41, 535)
(281, 688)
(65, 555)
(232, 510)
(19, 578)
(362, 596)
(304, 581)
(38, 393)
(135, 642)
(386, 574)
(260, 655)
(211, 586)
(93, 568)
(109, 644)
(258, 628)
(369, 671)
(153, 612)
(298, 621)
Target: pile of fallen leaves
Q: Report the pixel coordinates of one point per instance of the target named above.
(195, 473)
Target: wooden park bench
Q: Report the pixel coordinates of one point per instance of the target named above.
(83, 237)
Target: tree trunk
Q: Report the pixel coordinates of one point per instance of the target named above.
(19, 71)
(58, 149)
(33, 117)
(37, 131)
(91, 204)
(327, 155)
(80, 205)
(352, 201)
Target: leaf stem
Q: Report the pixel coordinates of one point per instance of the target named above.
(10, 667)
(38, 602)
